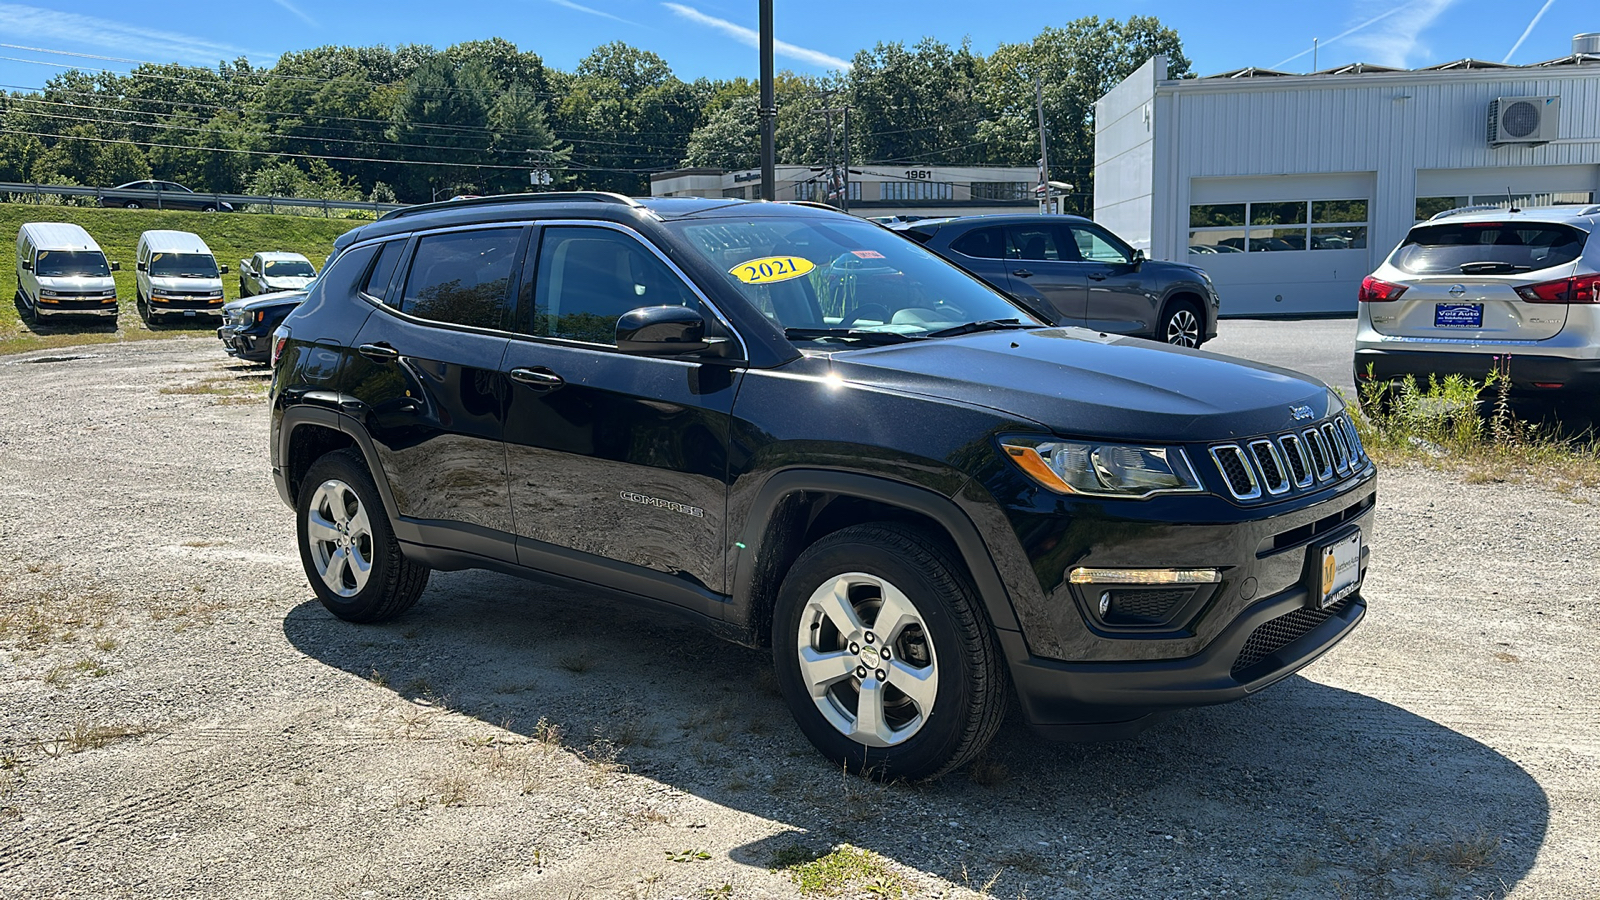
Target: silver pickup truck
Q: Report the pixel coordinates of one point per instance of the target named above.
(266, 273)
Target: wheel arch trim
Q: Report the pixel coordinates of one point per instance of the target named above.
(317, 415)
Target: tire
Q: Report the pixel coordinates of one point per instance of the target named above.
(1182, 325)
(144, 310)
(133, 204)
(208, 208)
(339, 511)
(243, 293)
(941, 638)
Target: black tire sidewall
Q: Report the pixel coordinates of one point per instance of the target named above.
(367, 604)
(927, 752)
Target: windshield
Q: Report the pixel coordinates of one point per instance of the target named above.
(823, 279)
(288, 268)
(1487, 248)
(184, 265)
(64, 263)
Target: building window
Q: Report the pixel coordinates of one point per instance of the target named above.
(1002, 190)
(917, 190)
(738, 193)
(1428, 207)
(816, 191)
(1278, 226)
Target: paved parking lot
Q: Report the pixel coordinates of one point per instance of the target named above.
(179, 718)
(1320, 347)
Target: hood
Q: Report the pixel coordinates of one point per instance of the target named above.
(289, 283)
(175, 283)
(76, 282)
(1079, 383)
(264, 300)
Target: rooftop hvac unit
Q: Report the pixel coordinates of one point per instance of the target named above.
(1523, 120)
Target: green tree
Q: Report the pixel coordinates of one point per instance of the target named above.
(917, 105)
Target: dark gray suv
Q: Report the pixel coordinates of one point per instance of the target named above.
(1073, 272)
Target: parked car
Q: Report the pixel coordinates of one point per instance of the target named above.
(247, 324)
(266, 273)
(1471, 291)
(922, 502)
(1070, 271)
(161, 195)
(62, 271)
(176, 276)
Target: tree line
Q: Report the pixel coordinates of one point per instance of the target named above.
(413, 123)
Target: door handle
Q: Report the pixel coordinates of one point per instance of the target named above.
(379, 352)
(1023, 273)
(540, 379)
(1097, 276)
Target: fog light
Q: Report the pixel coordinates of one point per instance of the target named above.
(1082, 575)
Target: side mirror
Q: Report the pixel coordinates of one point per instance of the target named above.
(139, 266)
(1138, 258)
(27, 265)
(116, 266)
(661, 331)
(222, 270)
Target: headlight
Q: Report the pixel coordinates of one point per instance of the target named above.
(1103, 470)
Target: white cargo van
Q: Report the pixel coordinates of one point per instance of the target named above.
(177, 276)
(62, 271)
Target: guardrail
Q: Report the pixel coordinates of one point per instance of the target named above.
(153, 199)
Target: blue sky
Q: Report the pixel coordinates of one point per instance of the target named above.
(712, 37)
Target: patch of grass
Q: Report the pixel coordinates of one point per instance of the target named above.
(1464, 855)
(847, 869)
(1470, 428)
(86, 668)
(453, 789)
(105, 644)
(83, 736)
(32, 618)
(601, 758)
(231, 236)
(690, 855)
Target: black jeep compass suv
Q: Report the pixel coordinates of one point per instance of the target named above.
(806, 432)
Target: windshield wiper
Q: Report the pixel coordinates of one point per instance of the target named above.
(986, 325)
(1492, 268)
(879, 337)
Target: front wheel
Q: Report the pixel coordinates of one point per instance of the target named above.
(132, 204)
(350, 554)
(1181, 326)
(884, 654)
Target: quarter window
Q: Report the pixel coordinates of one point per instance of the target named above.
(462, 277)
(377, 283)
(589, 277)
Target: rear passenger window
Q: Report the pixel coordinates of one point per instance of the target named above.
(1038, 242)
(377, 285)
(462, 277)
(589, 277)
(984, 243)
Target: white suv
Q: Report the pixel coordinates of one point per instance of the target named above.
(1469, 289)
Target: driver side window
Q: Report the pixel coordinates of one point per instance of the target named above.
(588, 277)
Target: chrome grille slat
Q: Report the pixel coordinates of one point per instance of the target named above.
(1274, 465)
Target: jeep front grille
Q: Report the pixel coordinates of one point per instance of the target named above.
(1277, 464)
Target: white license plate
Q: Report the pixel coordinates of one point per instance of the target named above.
(1339, 571)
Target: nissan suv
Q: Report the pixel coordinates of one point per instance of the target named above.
(925, 501)
(1070, 271)
(1481, 290)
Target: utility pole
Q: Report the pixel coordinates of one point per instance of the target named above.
(1314, 54)
(769, 109)
(844, 199)
(1044, 151)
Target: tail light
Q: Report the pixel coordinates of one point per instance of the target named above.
(280, 338)
(1580, 289)
(1375, 291)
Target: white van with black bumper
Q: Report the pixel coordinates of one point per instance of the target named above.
(178, 277)
(62, 271)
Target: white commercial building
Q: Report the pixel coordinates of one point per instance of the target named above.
(1289, 189)
(874, 189)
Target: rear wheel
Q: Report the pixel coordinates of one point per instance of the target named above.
(1182, 325)
(884, 654)
(132, 204)
(350, 554)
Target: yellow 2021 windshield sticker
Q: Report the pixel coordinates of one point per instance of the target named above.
(771, 269)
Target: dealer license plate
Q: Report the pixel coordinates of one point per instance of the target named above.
(1458, 315)
(1339, 571)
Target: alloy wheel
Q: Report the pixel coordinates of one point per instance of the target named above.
(1183, 328)
(340, 535)
(866, 658)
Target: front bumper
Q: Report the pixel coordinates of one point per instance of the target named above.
(48, 306)
(1529, 373)
(186, 308)
(245, 345)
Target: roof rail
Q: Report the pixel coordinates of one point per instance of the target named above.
(811, 203)
(548, 197)
(1480, 207)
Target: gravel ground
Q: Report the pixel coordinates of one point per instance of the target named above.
(178, 717)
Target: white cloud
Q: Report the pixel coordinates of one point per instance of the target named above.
(1340, 36)
(73, 29)
(593, 12)
(751, 37)
(298, 13)
(1399, 41)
